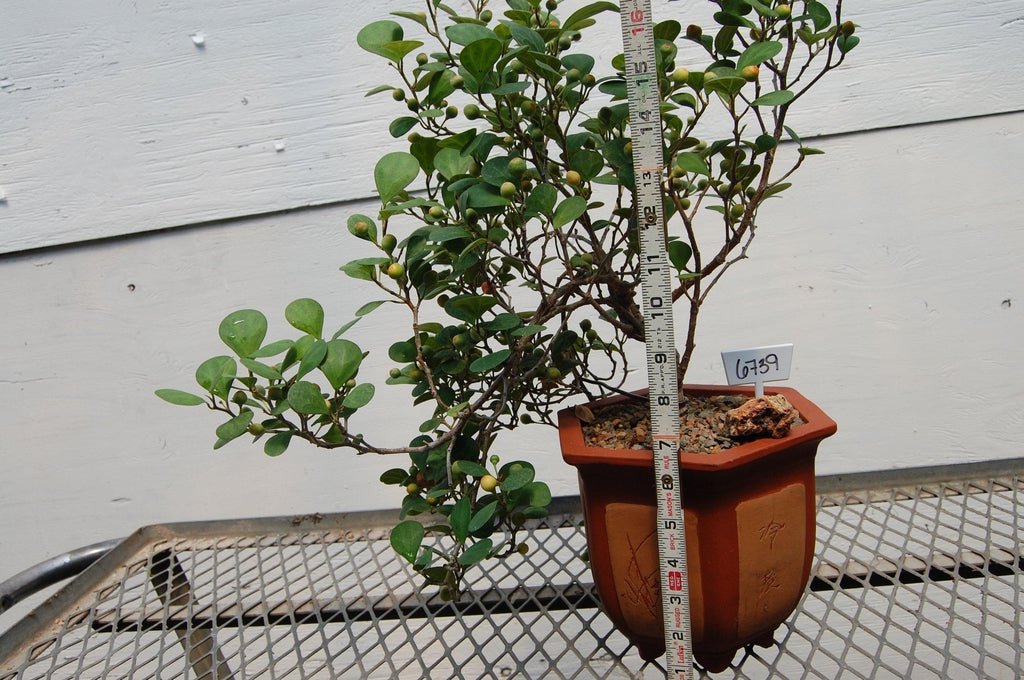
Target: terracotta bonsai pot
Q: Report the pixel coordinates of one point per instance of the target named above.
(750, 528)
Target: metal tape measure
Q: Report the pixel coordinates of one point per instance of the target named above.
(656, 278)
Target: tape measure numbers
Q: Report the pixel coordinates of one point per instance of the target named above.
(656, 278)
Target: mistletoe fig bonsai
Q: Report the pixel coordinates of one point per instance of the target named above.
(506, 232)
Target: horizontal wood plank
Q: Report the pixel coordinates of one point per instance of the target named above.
(114, 121)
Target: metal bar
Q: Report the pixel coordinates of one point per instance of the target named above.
(50, 572)
(490, 602)
(918, 476)
(941, 567)
(171, 584)
(881, 572)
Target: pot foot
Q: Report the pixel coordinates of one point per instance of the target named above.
(715, 663)
(766, 641)
(650, 650)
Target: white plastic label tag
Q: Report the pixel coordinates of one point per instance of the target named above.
(758, 365)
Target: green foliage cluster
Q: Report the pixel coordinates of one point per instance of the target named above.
(507, 231)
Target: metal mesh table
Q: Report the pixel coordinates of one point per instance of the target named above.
(918, 575)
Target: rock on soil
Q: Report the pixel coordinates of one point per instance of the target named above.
(771, 416)
(703, 423)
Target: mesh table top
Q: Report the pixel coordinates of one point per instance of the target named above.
(918, 575)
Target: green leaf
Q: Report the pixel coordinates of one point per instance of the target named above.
(180, 398)
(504, 322)
(615, 88)
(584, 63)
(461, 514)
(243, 331)
(587, 163)
(691, 162)
(305, 398)
(216, 375)
(541, 201)
(369, 307)
(402, 352)
(358, 270)
(777, 98)
(273, 349)
(451, 163)
(536, 494)
(480, 56)
(495, 171)
(727, 85)
(809, 151)
(235, 427)
(445, 234)
(464, 34)
(406, 538)
(424, 149)
(398, 49)
(762, 8)
(679, 253)
(469, 308)
(457, 408)
(393, 173)
(568, 210)
(777, 189)
(341, 361)
(468, 467)
(484, 196)
(399, 126)
(820, 14)
(490, 361)
(414, 504)
(476, 552)
(277, 444)
(517, 475)
(509, 88)
(847, 43)
(380, 37)
(729, 19)
(482, 516)
(359, 396)
(379, 89)
(344, 327)
(441, 86)
(261, 369)
(667, 30)
(527, 37)
(313, 357)
(394, 476)
(419, 17)
(764, 143)
(582, 14)
(306, 315)
(525, 331)
(758, 53)
(541, 65)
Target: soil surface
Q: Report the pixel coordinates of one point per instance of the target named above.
(702, 425)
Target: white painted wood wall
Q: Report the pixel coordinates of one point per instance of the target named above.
(149, 186)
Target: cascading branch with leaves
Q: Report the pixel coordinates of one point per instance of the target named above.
(506, 232)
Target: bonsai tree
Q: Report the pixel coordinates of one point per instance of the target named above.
(506, 231)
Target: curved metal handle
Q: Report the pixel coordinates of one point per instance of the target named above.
(51, 571)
